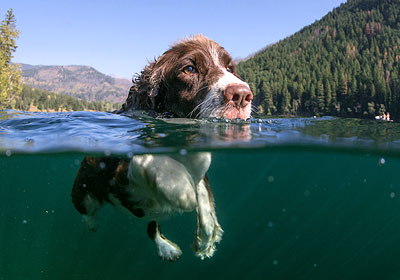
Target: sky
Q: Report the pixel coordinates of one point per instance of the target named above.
(119, 37)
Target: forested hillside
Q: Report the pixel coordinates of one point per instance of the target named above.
(31, 99)
(346, 64)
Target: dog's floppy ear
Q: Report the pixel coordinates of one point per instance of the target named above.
(148, 82)
(145, 88)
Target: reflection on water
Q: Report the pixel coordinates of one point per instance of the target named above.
(152, 187)
(107, 133)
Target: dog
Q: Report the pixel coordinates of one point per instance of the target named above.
(195, 78)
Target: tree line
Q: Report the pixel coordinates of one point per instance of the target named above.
(346, 64)
(15, 95)
(32, 99)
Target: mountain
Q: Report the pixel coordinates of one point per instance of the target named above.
(346, 64)
(83, 82)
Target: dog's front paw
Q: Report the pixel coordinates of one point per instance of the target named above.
(167, 250)
(205, 241)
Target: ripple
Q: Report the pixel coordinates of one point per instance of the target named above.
(108, 133)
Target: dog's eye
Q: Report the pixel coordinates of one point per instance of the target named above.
(229, 69)
(189, 70)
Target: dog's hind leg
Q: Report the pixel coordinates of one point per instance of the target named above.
(166, 249)
(208, 231)
(91, 187)
(89, 218)
(87, 205)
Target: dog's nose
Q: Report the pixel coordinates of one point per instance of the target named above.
(238, 95)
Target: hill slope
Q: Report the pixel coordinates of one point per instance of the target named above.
(345, 64)
(83, 82)
(32, 99)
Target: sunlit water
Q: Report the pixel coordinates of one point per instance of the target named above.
(301, 198)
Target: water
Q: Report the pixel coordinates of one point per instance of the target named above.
(298, 198)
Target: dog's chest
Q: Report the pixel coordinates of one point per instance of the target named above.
(161, 185)
(151, 204)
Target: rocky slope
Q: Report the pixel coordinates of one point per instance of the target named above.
(83, 82)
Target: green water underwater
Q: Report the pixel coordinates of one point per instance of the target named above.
(287, 213)
(299, 198)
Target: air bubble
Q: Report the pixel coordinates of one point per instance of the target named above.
(270, 224)
(382, 161)
(24, 222)
(306, 193)
(107, 153)
(271, 179)
(102, 165)
(392, 195)
(275, 262)
(182, 152)
(8, 153)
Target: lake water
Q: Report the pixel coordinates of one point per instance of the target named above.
(300, 198)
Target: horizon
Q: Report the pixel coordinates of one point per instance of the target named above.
(54, 33)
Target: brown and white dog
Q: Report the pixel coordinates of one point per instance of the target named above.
(194, 78)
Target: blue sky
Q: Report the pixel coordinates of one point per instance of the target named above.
(118, 37)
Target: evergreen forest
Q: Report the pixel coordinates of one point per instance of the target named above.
(32, 99)
(346, 64)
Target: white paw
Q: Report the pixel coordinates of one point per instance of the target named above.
(167, 250)
(204, 244)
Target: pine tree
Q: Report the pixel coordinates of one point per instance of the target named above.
(328, 98)
(10, 74)
(268, 104)
(320, 98)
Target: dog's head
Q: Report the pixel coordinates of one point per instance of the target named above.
(194, 78)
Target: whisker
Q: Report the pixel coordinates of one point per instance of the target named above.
(205, 110)
(201, 103)
(195, 108)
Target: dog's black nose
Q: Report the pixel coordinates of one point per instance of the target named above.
(238, 95)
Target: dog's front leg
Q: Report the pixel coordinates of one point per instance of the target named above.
(208, 231)
(166, 249)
